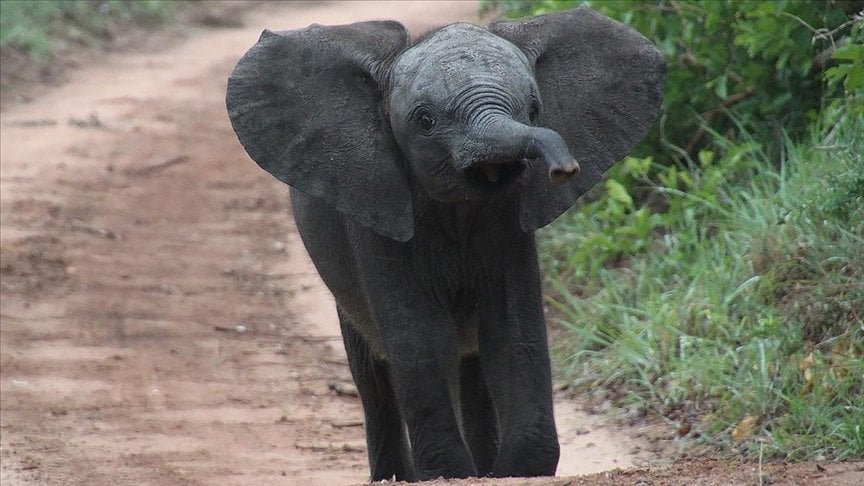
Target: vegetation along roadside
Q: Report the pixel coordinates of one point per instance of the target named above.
(716, 280)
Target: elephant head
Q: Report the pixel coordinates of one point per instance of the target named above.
(536, 109)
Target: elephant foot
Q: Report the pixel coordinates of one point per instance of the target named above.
(449, 463)
(533, 451)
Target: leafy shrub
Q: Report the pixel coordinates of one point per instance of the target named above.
(849, 68)
(751, 65)
(717, 277)
(736, 301)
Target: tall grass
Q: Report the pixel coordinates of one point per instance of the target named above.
(733, 298)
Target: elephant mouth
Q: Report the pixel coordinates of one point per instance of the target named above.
(496, 174)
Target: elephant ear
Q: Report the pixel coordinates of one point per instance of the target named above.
(601, 85)
(307, 105)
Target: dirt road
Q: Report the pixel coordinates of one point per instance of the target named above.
(160, 321)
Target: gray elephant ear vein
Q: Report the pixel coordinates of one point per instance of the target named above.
(305, 104)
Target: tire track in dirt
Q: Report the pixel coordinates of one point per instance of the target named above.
(136, 237)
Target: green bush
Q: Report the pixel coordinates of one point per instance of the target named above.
(717, 277)
(734, 66)
(738, 298)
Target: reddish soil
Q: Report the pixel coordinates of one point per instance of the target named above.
(160, 322)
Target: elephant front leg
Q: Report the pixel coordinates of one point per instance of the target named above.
(420, 342)
(479, 422)
(515, 361)
(423, 368)
(387, 445)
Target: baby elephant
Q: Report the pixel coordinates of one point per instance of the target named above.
(419, 173)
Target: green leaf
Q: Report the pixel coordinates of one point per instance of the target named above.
(721, 88)
(638, 167)
(855, 79)
(618, 193)
(850, 52)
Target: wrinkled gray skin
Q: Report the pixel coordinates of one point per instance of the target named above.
(419, 174)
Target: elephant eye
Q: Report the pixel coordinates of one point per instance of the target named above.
(426, 121)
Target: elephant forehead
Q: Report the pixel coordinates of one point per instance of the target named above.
(458, 52)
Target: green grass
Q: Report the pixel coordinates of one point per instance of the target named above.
(735, 292)
(36, 26)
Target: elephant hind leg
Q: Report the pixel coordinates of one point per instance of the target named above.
(479, 423)
(386, 441)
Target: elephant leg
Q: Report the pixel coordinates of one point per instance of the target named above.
(514, 357)
(419, 338)
(478, 416)
(518, 374)
(426, 386)
(425, 377)
(389, 453)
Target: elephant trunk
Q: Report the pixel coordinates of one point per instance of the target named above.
(546, 144)
(503, 140)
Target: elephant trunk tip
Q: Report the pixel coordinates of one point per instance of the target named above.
(561, 173)
(513, 141)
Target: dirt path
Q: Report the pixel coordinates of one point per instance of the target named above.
(160, 322)
(136, 237)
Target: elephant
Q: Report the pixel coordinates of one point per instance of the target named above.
(419, 172)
